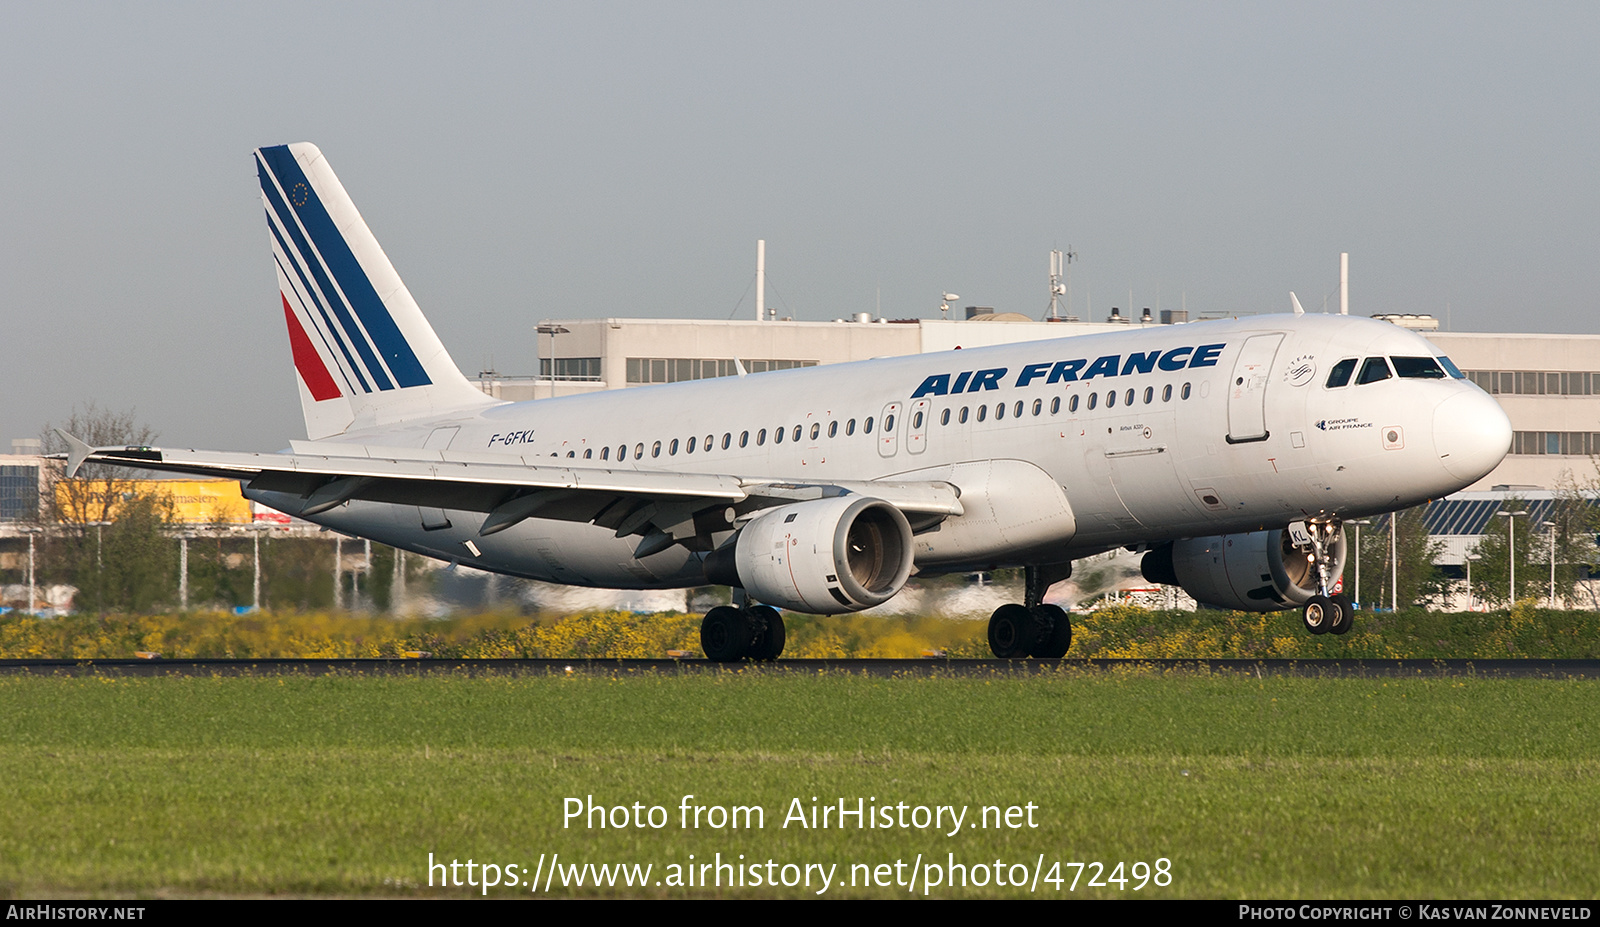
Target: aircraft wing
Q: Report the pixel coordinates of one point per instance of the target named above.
(510, 489)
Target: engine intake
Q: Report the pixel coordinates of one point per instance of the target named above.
(824, 557)
(1262, 571)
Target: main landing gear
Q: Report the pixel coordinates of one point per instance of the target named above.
(728, 633)
(1326, 612)
(1033, 629)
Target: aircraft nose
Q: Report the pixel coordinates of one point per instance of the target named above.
(1471, 434)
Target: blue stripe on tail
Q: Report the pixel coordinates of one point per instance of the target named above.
(336, 253)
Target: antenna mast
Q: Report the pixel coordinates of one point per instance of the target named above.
(761, 279)
(1061, 267)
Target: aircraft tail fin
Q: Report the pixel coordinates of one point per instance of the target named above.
(363, 352)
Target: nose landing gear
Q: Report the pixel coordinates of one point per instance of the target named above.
(1326, 612)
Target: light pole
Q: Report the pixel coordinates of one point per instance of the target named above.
(552, 329)
(1511, 553)
(255, 580)
(32, 610)
(1550, 526)
(1358, 523)
(1394, 562)
(1470, 558)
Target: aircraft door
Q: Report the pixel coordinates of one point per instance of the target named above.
(888, 437)
(1247, 390)
(917, 427)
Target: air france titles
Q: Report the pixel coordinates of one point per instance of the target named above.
(1068, 371)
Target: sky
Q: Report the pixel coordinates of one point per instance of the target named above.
(525, 161)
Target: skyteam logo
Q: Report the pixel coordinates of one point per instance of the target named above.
(1077, 369)
(342, 336)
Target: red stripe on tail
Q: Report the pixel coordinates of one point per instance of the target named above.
(306, 360)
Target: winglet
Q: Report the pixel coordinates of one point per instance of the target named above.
(1295, 301)
(77, 453)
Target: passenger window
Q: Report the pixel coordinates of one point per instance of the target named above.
(1111, 398)
(916, 420)
(999, 411)
(797, 429)
(816, 430)
(888, 424)
(689, 448)
(1340, 374)
(833, 429)
(761, 437)
(744, 439)
(1166, 393)
(710, 440)
(866, 426)
(777, 434)
(963, 415)
(1016, 410)
(656, 450)
(1055, 405)
(850, 428)
(1094, 398)
(638, 451)
(944, 417)
(572, 453)
(1185, 393)
(588, 452)
(983, 413)
(1417, 368)
(1149, 394)
(727, 439)
(672, 449)
(605, 453)
(1038, 406)
(1373, 370)
(1072, 404)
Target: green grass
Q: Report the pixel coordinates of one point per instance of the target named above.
(1251, 788)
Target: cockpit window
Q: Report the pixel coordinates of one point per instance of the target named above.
(1340, 374)
(1451, 368)
(1417, 368)
(1375, 369)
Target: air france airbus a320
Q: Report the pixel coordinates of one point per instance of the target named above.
(1230, 451)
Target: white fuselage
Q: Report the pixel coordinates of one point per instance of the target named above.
(1150, 434)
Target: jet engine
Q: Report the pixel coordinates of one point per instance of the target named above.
(823, 556)
(1263, 571)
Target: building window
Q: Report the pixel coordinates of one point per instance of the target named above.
(641, 370)
(570, 368)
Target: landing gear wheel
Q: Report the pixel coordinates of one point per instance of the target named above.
(725, 634)
(1320, 614)
(1054, 644)
(768, 642)
(1011, 632)
(1347, 614)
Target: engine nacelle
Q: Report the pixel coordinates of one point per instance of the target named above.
(824, 556)
(1262, 571)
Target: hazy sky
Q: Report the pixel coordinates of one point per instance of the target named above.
(526, 161)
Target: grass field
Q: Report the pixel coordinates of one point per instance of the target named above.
(1270, 788)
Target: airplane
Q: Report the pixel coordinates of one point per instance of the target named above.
(1229, 452)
